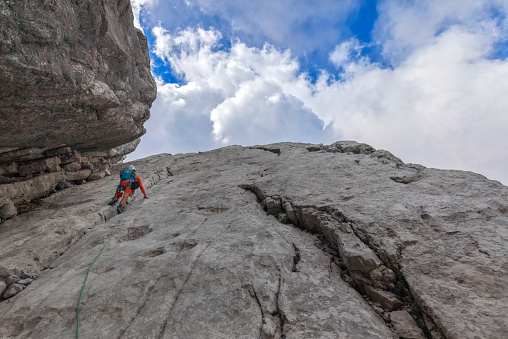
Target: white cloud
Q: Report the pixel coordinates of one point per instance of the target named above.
(442, 104)
(137, 6)
(244, 96)
(261, 112)
(404, 26)
(342, 54)
(302, 26)
(348, 58)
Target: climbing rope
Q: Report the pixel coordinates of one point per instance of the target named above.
(90, 268)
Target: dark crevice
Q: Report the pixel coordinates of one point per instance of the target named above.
(30, 205)
(135, 232)
(216, 209)
(275, 317)
(400, 287)
(315, 149)
(273, 150)
(155, 252)
(20, 280)
(407, 179)
(330, 268)
(296, 258)
(326, 243)
(279, 310)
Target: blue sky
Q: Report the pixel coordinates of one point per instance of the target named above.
(426, 80)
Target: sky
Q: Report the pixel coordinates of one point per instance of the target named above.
(425, 80)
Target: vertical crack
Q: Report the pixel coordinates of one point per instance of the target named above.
(330, 268)
(152, 285)
(180, 290)
(272, 320)
(279, 310)
(188, 275)
(296, 258)
(254, 295)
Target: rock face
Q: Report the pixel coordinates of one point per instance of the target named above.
(73, 73)
(7, 208)
(276, 241)
(52, 170)
(76, 90)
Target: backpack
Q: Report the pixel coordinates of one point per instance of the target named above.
(127, 174)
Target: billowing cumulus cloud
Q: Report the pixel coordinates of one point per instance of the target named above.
(440, 101)
(261, 112)
(444, 106)
(244, 96)
(348, 58)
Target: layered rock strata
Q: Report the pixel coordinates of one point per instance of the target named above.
(76, 86)
(29, 174)
(279, 241)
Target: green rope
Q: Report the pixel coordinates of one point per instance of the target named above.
(89, 269)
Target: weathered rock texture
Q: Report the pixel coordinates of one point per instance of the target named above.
(75, 91)
(75, 73)
(280, 241)
(52, 170)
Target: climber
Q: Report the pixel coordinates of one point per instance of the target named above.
(129, 182)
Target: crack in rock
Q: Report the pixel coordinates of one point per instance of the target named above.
(254, 295)
(266, 149)
(265, 290)
(282, 316)
(361, 266)
(155, 281)
(407, 179)
(296, 258)
(180, 289)
(93, 217)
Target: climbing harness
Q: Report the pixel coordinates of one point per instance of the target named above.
(90, 268)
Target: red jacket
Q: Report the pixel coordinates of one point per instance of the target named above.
(138, 179)
(127, 184)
